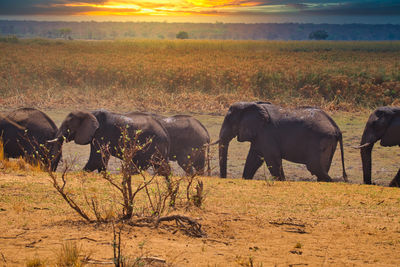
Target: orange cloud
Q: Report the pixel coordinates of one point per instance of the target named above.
(159, 7)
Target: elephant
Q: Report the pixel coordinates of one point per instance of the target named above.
(189, 141)
(304, 135)
(383, 124)
(25, 133)
(102, 128)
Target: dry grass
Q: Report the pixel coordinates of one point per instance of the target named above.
(246, 221)
(36, 262)
(15, 165)
(201, 76)
(71, 254)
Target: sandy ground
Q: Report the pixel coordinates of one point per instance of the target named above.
(268, 224)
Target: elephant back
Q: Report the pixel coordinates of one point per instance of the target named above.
(308, 118)
(151, 128)
(35, 122)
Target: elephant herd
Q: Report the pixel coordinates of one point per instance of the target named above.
(305, 135)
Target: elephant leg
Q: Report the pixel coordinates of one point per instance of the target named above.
(323, 176)
(396, 180)
(327, 156)
(253, 163)
(185, 162)
(96, 160)
(321, 163)
(274, 165)
(316, 168)
(199, 161)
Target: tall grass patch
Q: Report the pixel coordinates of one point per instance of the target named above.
(174, 74)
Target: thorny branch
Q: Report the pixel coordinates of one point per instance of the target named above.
(160, 195)
(65, 194)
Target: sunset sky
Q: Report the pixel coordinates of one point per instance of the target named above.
(318, 11)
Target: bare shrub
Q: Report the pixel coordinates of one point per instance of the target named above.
(141, 199)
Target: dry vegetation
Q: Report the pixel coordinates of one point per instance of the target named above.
(280, 223)
(198, 76)
(248, 223)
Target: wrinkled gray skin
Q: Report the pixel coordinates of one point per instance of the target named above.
(27, 130)
(100, 128)
(383, 124)
(303, 135)
(188, 137)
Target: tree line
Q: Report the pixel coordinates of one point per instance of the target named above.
(92, 30)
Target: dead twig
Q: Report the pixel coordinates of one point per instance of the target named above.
(287, 223)
(65, 195)
(98, 262)
(83, 238)
(4, 258)
(152, 260)
(32, 244)
(296, 230)
(193, 228)
(13, 237)
(218, 241)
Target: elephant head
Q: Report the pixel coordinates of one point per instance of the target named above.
(383, 124)
(79, 126)
(244, 119)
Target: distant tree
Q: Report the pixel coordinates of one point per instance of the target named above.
(130, 33)
(182, 35)
(318, 35)
(65, 33)
(114, 34)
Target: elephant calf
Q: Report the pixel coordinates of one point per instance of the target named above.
(102, 128)
(383, 124)
(25, 133)
(188, 138)
(304, 135)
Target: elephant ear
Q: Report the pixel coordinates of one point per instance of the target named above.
(391, 137)
(86, 128)
(253, 117)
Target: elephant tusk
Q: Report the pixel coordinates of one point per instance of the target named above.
(212, 144)
(55, 140)
(361, 146)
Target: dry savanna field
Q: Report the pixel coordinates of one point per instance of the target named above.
(260, 222)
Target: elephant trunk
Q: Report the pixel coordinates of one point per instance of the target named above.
(367, 143)
(63, 134)
(223, 158)
(225, 136)
(55, 154)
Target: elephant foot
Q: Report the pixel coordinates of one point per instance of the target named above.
(395, 183)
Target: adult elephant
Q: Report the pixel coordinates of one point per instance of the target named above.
(189, 139)
(304, 135)
(25, 133)
(105, 131)
(383, 124)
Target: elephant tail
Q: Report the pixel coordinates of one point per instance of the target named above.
(342, 153)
